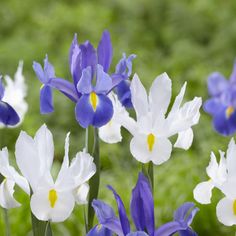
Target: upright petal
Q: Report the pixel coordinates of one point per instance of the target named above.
(139, 97)
(84, 85)
(122, 212)
(39, 72)
(104, 51)
(231, 160)
(216, 84)
(48, 68)
(46, 100)
(182, 212)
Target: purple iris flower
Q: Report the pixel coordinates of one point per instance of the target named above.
(222, 104)
(183, 218)
(8, 115)
(87, 66)
(142, 212)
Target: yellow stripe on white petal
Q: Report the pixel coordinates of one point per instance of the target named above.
(52, 197)
(151, 141)
(93, 98)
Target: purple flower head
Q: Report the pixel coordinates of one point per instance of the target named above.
(222, 104)
(183, 218)
(8, 115)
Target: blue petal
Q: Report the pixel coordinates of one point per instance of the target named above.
(8, 115)
(104, 51)
(104, 81)
(142, 206)
(74, 50)
(222, 124)
(212, 106)
(191, 216)
(39, 72)
(48, 68)
(168, 229)
(106, 216)
(187, 232)
(124, 93)
(122, 212)
(99, 230)
(181, 213)
(84, 85)
(1, 88)
(139, 233)
(216, 84)
(46, 100)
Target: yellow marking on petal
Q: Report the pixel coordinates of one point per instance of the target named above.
(234, 207)
(229, 111)
(41, 86)
(93, 100)
(150, 142)
(52, 197)
(99, 227)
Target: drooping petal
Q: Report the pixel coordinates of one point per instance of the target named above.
(84, 85)
(46, 100)
(124, 93)
(225, 211)
(122, 212)
(160, 95)
(99, 230)
(216, 84)
(185, 139)
(106, 217)
(104, 51)
(56, 211)
(8, 115)
(81, 194)
(203, 192)
(181, 213)
(139, 97)
(212, 105)
(169, 229)
(6, 195)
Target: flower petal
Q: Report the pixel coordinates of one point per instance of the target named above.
(185, 139)
(48, 68)
(46, 100)
(81, 194)
(139, 233)
(85, 83)
(99, 230)
(216, 84)
(203, 192)
(1, 88)
(233, 74)
(39, 72)
(8, 115)
(231, 160)
(212, 105)
(124, 93)
(169, 229)
(104, 51)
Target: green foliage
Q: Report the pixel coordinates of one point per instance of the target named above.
(188, 39)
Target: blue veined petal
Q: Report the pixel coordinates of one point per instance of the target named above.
(122, 212)
(142, 206)
(99, 230)
(106, 216)
(1, 88)
(223, 124)
(46, 100)
(104, 51)
(139, 233)
(169, 229)
(124, 93)
(84, 86)
(216, 84)
(48, 68)
(39, 72)
(8, 115)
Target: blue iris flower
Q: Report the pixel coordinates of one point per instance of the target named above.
(8, 115)
(87, 66)
(142, 212)
(222, 104)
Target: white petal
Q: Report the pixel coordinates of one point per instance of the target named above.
(231, 160)
(41, 208)
(225, 212)
(185, 139)
(6, 195)
(203, 192)
(160, 94)
(160, 153)
(128, 123)
(81, 194)
(111, 132)
(228, 188)
(139, 97)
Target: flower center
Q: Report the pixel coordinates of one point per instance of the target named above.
(93, 100)
(229, 111)
(150, 141)
(234, 207)
(52, 197)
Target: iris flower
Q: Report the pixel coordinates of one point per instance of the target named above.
(88, 67)
(142, 212)
(50, 200)
(152, 128)
(222, 104)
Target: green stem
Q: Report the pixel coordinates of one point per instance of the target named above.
(6, 221)
(93, 149)
(48, 230)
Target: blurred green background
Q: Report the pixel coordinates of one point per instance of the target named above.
(187, 39)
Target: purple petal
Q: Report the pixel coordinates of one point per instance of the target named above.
(216, 84)
(8, 115)
(106, 216)
(181, 213)
(99, 230)
(212, 106)
(233, 75)
(139, 233)
(187, 232)
(104, 51)
(104, 81)
(142, 206)
(84, 85)
(1, 88)
(39, 72)
(191, 216)
(65, 87)
(74, 50)
(122, 212)
(124, 93)
(46, 100)
(168, 229)
(48, 68)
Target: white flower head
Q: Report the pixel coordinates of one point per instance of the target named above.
(152, 128)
